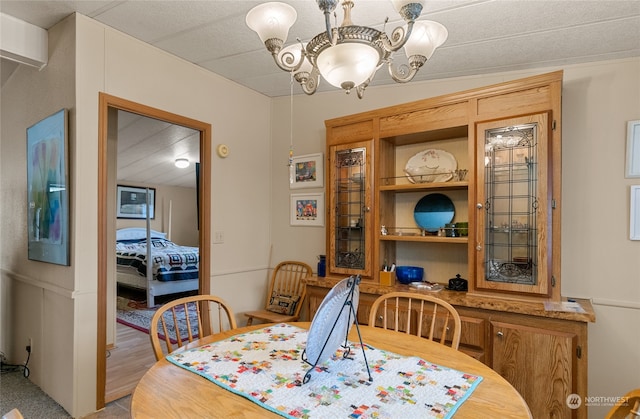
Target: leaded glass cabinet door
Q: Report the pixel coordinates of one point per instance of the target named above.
(349, 206)
(513, 238)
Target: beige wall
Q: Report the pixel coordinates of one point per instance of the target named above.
(137, 72)
(250, 194)
(38, 298)
(57, 305)
(598, 259)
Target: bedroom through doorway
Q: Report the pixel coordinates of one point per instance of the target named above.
(145, 196)
(147, 150)
(157, 170)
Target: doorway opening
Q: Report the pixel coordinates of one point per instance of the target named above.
(110, 108)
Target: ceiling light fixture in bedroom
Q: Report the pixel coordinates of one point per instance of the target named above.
(182, 163)
(347, 56)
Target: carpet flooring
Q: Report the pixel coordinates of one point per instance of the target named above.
(17, 391)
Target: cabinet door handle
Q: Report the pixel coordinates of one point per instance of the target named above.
(366, 209)
(500, 334)
(479, 205)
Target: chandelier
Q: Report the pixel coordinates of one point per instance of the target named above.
(347, 56)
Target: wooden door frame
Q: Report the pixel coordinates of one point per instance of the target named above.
(105, 103)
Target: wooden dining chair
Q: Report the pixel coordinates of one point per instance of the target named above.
(628, 407)
(286, 294)
(418, 314)
(197, 314)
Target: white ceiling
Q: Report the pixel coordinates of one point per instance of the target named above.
(148, 148)
(485, 36)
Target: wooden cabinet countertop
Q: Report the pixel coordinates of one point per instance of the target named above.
(476, 300)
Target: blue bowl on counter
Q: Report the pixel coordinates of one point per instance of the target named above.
(408, 274)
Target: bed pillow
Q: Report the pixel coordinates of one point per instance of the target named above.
(283, 304)
(137, 233)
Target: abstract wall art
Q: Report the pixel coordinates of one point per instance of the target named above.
(47, 190)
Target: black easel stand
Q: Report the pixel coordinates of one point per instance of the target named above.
(352, 282)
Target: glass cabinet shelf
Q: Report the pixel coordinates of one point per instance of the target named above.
(423, 187)
(423, 239)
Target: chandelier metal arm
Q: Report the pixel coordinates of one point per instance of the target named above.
(361, 88)
(308, 81)
(282, 65)
(287, 61)
(409, 12)
(399, 37)
(404, 73)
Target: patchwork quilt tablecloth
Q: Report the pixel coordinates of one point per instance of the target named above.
(266, 367)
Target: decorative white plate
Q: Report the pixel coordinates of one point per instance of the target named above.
(329, 313)
(427, 286)
(431, 165)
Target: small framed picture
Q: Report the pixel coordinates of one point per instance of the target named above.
(634, 222)
(132, 202)
(633, 149)
(308, 171)
(307, 209)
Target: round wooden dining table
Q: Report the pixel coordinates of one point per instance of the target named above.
(169, 391)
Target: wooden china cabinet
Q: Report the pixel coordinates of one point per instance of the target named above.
(493, 156)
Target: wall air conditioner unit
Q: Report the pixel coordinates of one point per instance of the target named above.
(23, 42)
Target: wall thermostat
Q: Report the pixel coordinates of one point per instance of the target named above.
(223, 150)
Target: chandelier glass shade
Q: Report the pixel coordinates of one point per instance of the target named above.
(427, 35)
(271, 20)
(347, 56)
(347, 65)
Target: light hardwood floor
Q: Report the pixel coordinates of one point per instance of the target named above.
(132, 356)
(127, 362)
